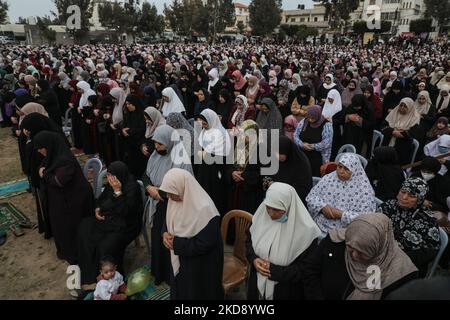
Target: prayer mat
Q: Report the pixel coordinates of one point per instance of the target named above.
(10, 215)
(13, 188)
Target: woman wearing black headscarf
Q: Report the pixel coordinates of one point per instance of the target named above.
(393, 98)
(223, 108)
(133, 133)
(294, 169)
(359, 123)
(49, 99)
(117, 222)
(384, 173)
(69, 195)
(31, 125)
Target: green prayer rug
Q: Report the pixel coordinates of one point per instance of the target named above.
(10, 215)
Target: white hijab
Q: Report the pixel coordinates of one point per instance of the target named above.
(120, 96)
(215, 75)
(332, 84)
(330, 109)
(187, 218)
(214, 140)
(281, 243)
(157, 120)
(432, 149)
(174, 105)
(446, 102)
(87, 92)
(423, 109)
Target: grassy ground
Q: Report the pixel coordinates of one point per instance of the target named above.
(29, 266)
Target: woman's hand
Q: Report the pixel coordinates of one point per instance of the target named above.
(96, 112)
(14, 120)
(328, 212)
(41, 172)
(98, 215)
(79, 110)
(307, 146)
(397, 134)
(113, 126)
(237, 176)
(168, 240)
(125, 132)
(262, 267)
(106, 116)
(115, 184)
(144, 150)
(154, 193)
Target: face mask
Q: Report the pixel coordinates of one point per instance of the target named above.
(427, 176)
(443, 149)
(283, 219)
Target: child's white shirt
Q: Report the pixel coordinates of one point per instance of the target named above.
(105, 288)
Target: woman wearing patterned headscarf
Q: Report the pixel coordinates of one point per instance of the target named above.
(341, 196)
(415, 227)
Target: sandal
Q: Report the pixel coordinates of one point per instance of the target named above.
(17, 230)
(28, 225)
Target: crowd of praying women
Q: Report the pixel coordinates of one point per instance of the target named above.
(187, 123)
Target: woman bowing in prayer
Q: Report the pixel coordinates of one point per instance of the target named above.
(280, 238)
(341, 196)
(168, 154)
(117, 222)
(400, 127)
(338, 269)
(193, 238)
(314, 135)
(216, 145)
(69, 195)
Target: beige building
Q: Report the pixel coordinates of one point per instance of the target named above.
(242, 16)
(314, 17)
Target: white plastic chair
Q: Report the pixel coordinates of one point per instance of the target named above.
(346, 148)
(363, 160)
(94, 164)
(444, 243)
(67, 127)
(377, 140)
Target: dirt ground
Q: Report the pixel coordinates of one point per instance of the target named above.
(29, 268)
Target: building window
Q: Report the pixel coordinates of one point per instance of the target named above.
(372, 2)
(315, 19)
(293, 20)
(302, 19)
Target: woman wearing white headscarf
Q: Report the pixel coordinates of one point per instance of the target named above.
(216, 145)
(193, 238)
(439, 147)
(445, 81)
(400, 127)
(425, 108)
(168, 154)
(341, 196)
(333, 104)
(172, 102)
(214, 85)
(153, 119)
(345, 262)
(443, 102)
(282, 235)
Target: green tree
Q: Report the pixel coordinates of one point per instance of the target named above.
(62, 16)
(290, 30)
(337, 12)
(304, 32)
(150, 21)
(221, 15)
(241, 27)
(265, 16)
(420, 25)
(45, 32)
(439, 10)
(174, 14)
(4, 7)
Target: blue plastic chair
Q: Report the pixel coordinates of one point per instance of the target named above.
(444, 243)
(96, 165)
(416, 148)
(346, 148)
(377, 140)
(99, 186)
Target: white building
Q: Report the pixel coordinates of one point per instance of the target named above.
(242, 17)
(314, 17)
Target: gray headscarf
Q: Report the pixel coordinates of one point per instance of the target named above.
(272, 119)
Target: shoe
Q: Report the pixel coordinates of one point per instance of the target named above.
(17, 230)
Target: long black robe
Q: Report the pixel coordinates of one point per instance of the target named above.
(97, 239)
(290, 285)
(211, 178)
(69, 194)
(296, 170)
(49, 100)
(201, 265)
